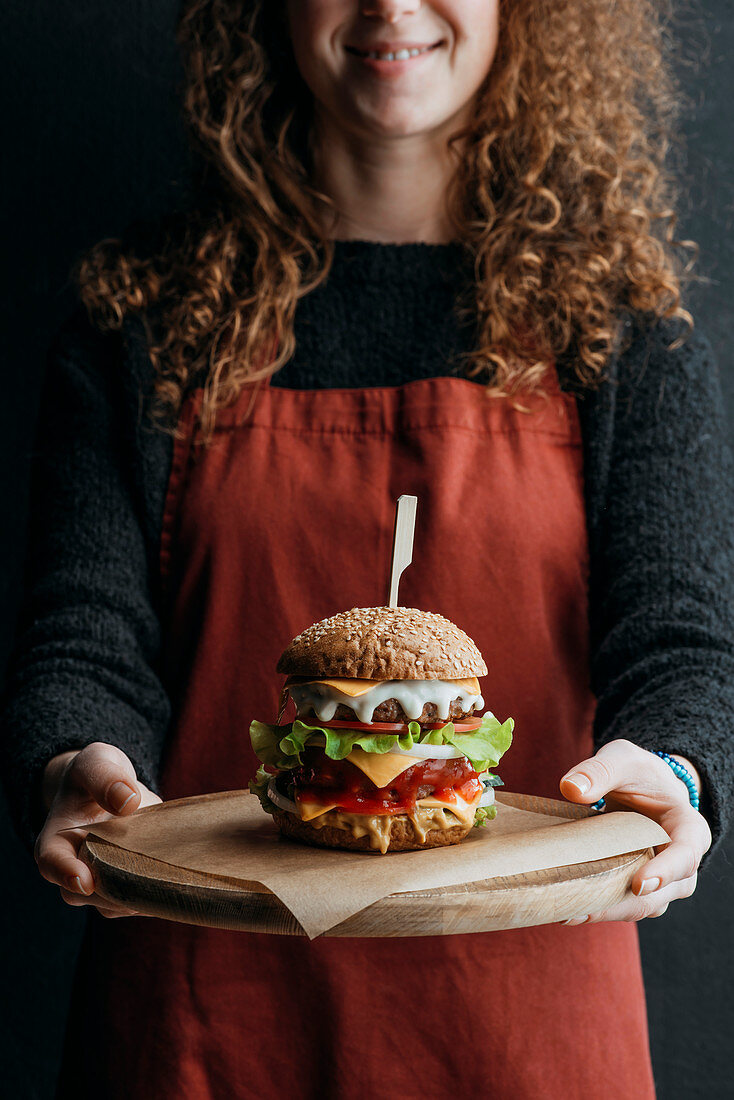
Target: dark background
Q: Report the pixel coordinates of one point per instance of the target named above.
(92, 141)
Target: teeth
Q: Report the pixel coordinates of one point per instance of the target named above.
(398, 55)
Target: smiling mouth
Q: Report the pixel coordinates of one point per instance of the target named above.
(395, 55)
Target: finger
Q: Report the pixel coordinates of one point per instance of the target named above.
(690, 840)
(57, 856)
(104, 905)
(104, 773)
(597, 775)
(78, 804)
(627, 770)
(633, 908)
(57, 846)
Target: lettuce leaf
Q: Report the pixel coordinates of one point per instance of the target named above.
(281, 746)
(259, 786)
(484, 815)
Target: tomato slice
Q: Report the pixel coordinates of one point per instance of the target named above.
(400, 727)
(375, 727)
(460, 727)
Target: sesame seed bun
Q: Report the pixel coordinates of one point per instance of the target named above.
(383, 643)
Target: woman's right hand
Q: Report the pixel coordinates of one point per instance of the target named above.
(80, 789)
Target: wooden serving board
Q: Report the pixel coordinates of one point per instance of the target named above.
(162, 889)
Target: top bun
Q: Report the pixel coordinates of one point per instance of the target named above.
(383, 643)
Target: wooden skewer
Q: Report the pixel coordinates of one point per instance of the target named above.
(402, 545)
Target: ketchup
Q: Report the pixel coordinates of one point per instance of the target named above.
(320, 779)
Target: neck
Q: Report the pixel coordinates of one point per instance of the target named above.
(387, 190)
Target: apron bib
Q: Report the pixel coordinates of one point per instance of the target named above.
(284, 519)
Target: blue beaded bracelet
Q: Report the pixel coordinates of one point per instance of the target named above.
(683, 774)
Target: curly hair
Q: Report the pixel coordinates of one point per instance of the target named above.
(562, 198)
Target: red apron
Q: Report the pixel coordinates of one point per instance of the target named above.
(287, 518)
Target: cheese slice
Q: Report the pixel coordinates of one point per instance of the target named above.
(381, 768)
(469, 685)
(352, 688)
(462, 810)
(355, 688)
(309, 810)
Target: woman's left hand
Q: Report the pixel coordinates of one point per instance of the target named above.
(631, 778)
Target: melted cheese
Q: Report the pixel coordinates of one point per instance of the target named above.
(381, 768)
(464, 811)
(429, 814)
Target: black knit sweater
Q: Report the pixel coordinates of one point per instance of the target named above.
(657, 484)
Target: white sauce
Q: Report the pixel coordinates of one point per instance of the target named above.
(411, 694)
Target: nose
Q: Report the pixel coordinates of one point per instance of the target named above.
(389, 10)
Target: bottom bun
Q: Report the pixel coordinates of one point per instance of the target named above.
(403, 836)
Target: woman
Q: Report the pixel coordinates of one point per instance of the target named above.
(390, 258)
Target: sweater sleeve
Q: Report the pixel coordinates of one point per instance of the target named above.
(659, 477)
(83, 667)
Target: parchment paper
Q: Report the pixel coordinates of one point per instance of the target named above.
(229, 835)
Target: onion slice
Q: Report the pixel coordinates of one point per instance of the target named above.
(487, 798)
(428, 752)
(280, 800)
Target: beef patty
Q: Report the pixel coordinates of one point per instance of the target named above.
(391, 711)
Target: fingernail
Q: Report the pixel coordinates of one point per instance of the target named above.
(119, 795)
(648, 886)
(77, 887)
(576, 920)
(579, 781)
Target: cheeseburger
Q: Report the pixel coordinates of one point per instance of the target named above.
(388, 751)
